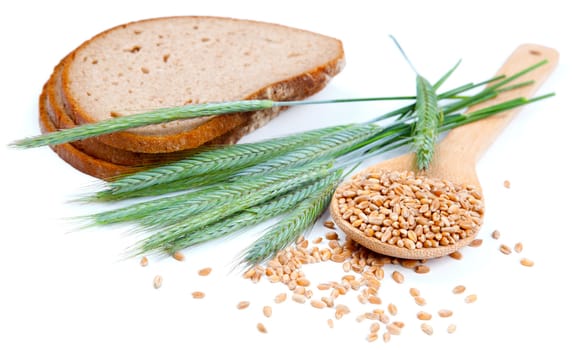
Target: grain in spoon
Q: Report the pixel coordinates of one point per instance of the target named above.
(453, 167)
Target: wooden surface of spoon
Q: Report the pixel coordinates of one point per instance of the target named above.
(458, 152)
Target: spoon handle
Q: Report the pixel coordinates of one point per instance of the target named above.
(454, 150)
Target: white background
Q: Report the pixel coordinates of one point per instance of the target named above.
(66, 289)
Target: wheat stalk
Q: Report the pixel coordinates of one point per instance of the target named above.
(289, 228)
(248, 217)
(175, 226)
(213, 160)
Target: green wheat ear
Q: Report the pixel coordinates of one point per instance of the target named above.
(164, 115)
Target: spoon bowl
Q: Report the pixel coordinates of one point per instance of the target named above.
(457, 154)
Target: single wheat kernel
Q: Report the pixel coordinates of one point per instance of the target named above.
(242, 305)
(518, 247)
(280, 298)
(414, 292)
(427, 329)
(205, 272)
(157, 281)
(330, 323)
(445, 313)
(299, 298)
(397, 277)
(420, 301)
(456, 255)
(374, 299)
(198, 295)
(371, 337)
(476, 243)
(392, 309)
(144, 261)
(329, 224)
(317, 240)
(451, 328)
(424, 316)
(459, 289)
(495, 234)
(261, 328)
(267, 311)
(332, 236)
(505, 249)
(526, 262)
(470, 298)
(179, 256)
(318, 304)
(393, 329)
(422, 269)
(506, 184)
(386, 337)
(374, 328)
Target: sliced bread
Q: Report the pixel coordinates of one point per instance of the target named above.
(172, 61)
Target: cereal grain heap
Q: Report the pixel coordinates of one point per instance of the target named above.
(410, 210)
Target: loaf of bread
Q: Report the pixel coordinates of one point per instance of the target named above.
(171, 61)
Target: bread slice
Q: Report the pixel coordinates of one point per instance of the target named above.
(171, 61)
(75, 157)
(93, 157)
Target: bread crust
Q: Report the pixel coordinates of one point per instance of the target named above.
(296, 87)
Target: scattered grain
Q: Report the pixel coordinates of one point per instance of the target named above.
(456, 255)
(261, 328)
(144, 261)
(505, 249)
(386, 337)
(375, 327)
(243, 305)
(299, 298)
(198, 295)
(420, 301)
(332, 236)
(318, 304)
(471, 298)
(329, 224)
(371, 337)
(392, 309)
(424, 316)
(179, 256)
(476, 243)
(414, 292)
(393, 329)
(506, 184)
(267, 311)
(157, 281)
(280, 298)
(495, 234)
(427, 328)
(451, 328)
(397, 277)
(374, 299)
(526, 262)
(445, 313)
(422, 269)
(459, 289)
(518, 247)
(330, 323)
(205, 272)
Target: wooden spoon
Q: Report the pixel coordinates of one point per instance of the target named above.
(457, 154)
